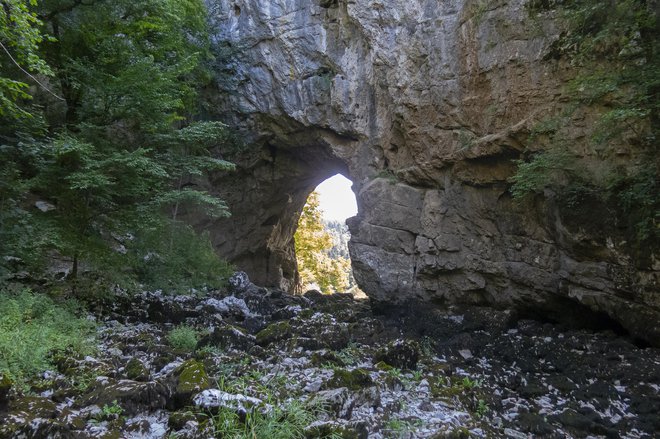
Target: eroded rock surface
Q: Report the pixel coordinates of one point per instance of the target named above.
(424, 104)
(466, 372)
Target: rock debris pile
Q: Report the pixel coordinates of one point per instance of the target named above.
(345, 371)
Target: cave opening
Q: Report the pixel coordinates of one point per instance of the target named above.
(321, 238)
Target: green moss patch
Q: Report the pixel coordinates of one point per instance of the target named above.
(193, 378)
(353, 380)
(275, 332)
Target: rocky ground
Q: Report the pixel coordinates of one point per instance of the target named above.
(329, 367)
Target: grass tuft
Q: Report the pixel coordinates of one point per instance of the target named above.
(183, 337)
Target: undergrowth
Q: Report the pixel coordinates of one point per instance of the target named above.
(183, 337)
(32, 326)
(286, 421)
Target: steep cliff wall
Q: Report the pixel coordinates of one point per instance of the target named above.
(424, 104)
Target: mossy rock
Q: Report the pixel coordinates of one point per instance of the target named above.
(320, 358)
(192, 380)
(274, 332)
(402, 354)
(228, 337)
(136, 370)
(456, 433)
(5, 386)
(31, 416)
(305, 343)
(394, 383)
(36, 406)
(73, 418)
(381, 365)
(320, 430)
(445, 389)
(353, 380)
(132, 396)
(440, 369)
(178, 420)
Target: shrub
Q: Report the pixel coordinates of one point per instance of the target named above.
(183, 337)
(174, 257)
(545, 169)
(32, 326)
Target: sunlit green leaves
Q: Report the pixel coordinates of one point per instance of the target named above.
(20, 36)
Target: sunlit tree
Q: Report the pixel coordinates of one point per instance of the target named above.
(313, 243)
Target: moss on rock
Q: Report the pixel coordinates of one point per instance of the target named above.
(136, 370)
(381, 365)
(355, 430)
(402, 354)
(132, 396)
(274, 332)
(178, 420)
(5, 387)
(353, 380)
(192, 379)
(320, 358)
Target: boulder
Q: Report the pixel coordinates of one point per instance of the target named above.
(402, 354)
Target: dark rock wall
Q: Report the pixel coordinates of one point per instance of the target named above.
(424, 104)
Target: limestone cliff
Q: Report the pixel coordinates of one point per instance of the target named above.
(424, 104)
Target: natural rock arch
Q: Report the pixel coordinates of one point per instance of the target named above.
(425, 105)
(266, 196)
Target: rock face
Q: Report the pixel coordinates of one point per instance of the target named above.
(424, 105)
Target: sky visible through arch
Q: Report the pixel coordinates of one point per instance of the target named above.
(337, 200)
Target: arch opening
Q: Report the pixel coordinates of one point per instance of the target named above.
(321, 238)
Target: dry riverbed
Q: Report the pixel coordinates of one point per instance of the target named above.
(327, 366)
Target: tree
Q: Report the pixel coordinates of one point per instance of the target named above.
(125, 154)
(313, 243)
(19, 42)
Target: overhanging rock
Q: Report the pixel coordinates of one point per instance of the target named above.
(424, 104)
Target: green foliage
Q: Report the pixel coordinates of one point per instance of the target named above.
(32, 326)
(174, 257)
(111, 411)
(19, 40)
(312, 244)
(612, 46)
(350, 355)
(286, 421)
(128, 64)
(467, 383)
(183, 338)
(544, 169)
(482, 409)
(401, 428)
(637, 194)
(124, 157)
(395, 372)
